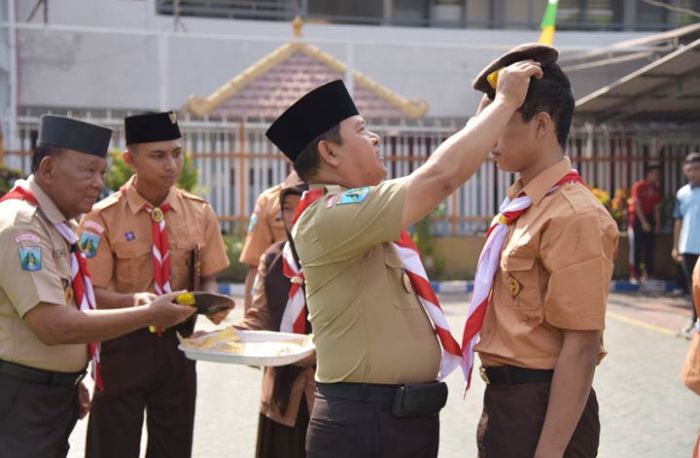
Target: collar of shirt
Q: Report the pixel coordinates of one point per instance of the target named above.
(137, 202)
(542, 183)
(327, 187)
(48, 207)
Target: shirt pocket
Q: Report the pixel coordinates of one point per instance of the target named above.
(133, 269)
(181, 252)
(521, 280)
(398, 283)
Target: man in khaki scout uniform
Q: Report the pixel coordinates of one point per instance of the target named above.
(43, 332)
(542, 333)
(264, 229)
(148, 238)
(378, 356)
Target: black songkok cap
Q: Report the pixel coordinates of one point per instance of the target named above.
(80, 136)
(543, 54)
(151, 127)
(310, 116)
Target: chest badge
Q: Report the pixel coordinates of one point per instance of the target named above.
(406, 280)
(513, 286)
(157, 215)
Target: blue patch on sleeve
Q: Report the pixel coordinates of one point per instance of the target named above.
(30, 258)
(89, 243)
(353, 196)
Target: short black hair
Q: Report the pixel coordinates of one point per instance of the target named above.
(307, 162)
(42, 151)
(552, 94)
(651, 168)
(692, 158)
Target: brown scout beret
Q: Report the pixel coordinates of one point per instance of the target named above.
(543, 54)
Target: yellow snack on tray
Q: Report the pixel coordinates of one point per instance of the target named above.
(209, 340)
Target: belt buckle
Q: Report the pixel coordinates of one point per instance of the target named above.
(484, 375)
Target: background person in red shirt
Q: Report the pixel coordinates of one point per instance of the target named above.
(645, 222)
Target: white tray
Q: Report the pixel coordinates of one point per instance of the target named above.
(253, 336)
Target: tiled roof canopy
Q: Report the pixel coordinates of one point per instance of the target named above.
(269, 86)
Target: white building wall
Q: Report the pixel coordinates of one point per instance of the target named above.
(106, 54)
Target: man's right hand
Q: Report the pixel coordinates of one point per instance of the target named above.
(143, 298)
(165, 313)
(514, 81)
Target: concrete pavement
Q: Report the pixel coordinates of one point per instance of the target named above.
(644, 408)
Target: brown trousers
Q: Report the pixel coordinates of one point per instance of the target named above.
(512, 420)
(143, 371)
(341, 428)
(35, 420)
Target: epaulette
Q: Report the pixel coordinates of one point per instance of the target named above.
(192, 196)
(107, 201)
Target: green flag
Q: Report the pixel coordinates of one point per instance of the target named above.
(549, 22)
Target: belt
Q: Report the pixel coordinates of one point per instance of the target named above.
(363, 392)
(41, 376)
(511, 375)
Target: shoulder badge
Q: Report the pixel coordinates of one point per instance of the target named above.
(353, 196)
(89, 243)
(30, 258)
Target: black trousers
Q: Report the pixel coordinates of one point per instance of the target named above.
(341, 428)
(142, 371)
(644, 243)
(689, 261)
(35, 420)
(512, 420)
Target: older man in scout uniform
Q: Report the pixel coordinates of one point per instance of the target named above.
(369, 301)
(47, 306)
(264, 229)
(149, 237)
(551, 251)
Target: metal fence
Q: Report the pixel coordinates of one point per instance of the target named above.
(236, 162)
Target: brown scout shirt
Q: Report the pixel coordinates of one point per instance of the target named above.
(26, 230)
(554, 274)
(122, 259)
(265, 228)
(368, 327)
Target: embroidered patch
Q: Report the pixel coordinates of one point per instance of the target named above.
(253, 222)
(33, 238)
(89, 243)
(129, 236)
(30, 258)
(353, 196)
(94, 225)
(330, 201)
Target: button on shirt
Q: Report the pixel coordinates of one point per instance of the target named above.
(120, 230)
(688, 209)
(368, 327)
(554, 274)
(25, 229)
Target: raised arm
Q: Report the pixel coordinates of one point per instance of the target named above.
(461, 155)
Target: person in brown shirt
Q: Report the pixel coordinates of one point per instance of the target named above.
(287, 393)
(378, 356)
(542, 333)
(146, 239)
(44, 330)
(264, 228)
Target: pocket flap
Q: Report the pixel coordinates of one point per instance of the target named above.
(514, 264)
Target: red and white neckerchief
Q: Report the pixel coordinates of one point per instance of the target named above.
(410, 258)
(80, 277)
(160, 251)
(489, 260)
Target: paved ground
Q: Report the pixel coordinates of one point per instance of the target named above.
(645, 410)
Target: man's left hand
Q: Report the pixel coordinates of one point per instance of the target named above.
(219, 316)
(83, 401)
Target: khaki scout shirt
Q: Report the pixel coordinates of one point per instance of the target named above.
(27, 232)
(265, 228)
(120, 232)
(367, 326)
(554, 274)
